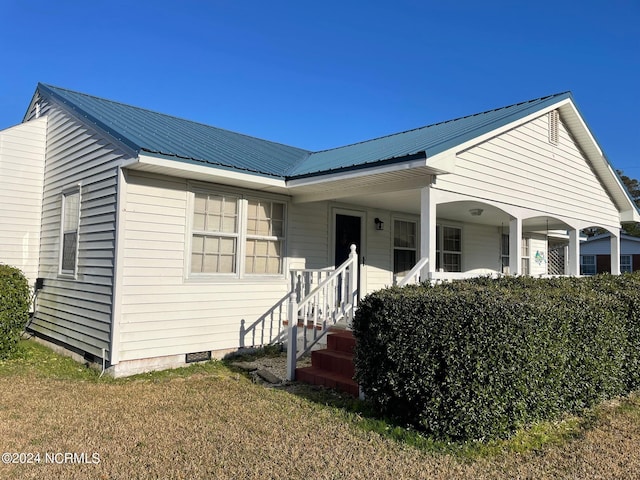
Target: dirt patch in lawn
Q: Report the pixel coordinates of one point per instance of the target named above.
(215, 422)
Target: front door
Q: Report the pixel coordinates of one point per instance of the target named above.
(348, 232)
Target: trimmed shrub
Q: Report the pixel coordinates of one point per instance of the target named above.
(477, 359)
(14, 308)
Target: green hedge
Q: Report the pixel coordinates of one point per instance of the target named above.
(14, 308)
(477, 359)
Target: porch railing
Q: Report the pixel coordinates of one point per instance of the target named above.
(318, 300)
(414, 274)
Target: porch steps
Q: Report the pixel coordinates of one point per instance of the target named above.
(333, 366)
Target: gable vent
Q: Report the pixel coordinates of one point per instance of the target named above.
(554, 121)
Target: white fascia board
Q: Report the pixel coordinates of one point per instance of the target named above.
(351, 174)
(208, 172)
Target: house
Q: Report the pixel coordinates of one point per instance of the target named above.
(595, 256)
(154, 240)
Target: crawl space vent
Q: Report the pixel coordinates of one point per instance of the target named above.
(197, 357)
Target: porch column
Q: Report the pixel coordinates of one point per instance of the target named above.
(427, 231)
(574, 252)
(615, 252)
(515, 246)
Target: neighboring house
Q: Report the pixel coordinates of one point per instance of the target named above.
(159, 237)
(595, 256)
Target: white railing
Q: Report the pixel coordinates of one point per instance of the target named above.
(318, 300)
(414, 274)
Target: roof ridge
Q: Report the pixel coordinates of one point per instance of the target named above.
(446, 121)
(147, 110)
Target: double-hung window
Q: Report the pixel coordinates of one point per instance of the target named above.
(625, 264)
(69, 232)
(214, 245)
(504, 253)
(525, 256)
(405, 246)
(448, 248)
(265, 237)
(587, 264)
(234, 235)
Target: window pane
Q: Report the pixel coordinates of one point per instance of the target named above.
(214, 205)
(196, 262)
(277, 228)
(198, 221)
(263, 256)
(403, 261)
(277, 212)
(71, 206)
(452, 262)
(451, 239)
(69, 251)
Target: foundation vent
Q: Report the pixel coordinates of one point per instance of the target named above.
(197, 357)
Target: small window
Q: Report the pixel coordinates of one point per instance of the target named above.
(625, 264)
(69, 232)
(587, 264)
(405, 246)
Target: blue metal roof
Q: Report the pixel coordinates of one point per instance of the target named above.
(431, 140)
(184, 140)
(157, 133)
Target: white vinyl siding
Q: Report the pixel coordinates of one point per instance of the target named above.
(521, 168)
(165, 312)
(77, 311)
(22, 151)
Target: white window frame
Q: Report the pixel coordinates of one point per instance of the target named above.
(504, 255)
(393, 240)
(525, 266)
(75, 190)
(584, 264)
(243, 198)
(440, 253)
(267, 238)
(626, 267)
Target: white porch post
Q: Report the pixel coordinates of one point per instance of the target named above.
(574, 252)
(427, 232)
(615, 253)
(292, 336)
(515, 246)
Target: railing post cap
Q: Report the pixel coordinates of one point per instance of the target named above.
(353, 248)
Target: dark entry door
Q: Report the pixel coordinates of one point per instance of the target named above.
(348, 232)
(348, 229)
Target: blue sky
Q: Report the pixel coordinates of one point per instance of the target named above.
(318, 75)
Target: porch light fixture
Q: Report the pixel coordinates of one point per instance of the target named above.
(476, 212)
(379, 224)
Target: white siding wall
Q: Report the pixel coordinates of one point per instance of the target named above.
(78, 311)
(22, 150)
(522, 168)
(481, 248)
(538, 263)
(162, 312)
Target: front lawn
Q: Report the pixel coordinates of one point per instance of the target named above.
(210, 421)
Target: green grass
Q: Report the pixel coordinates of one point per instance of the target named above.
(34, 359)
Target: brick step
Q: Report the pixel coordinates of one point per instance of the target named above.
(333, 361)
(317, 376)
(341, 341)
